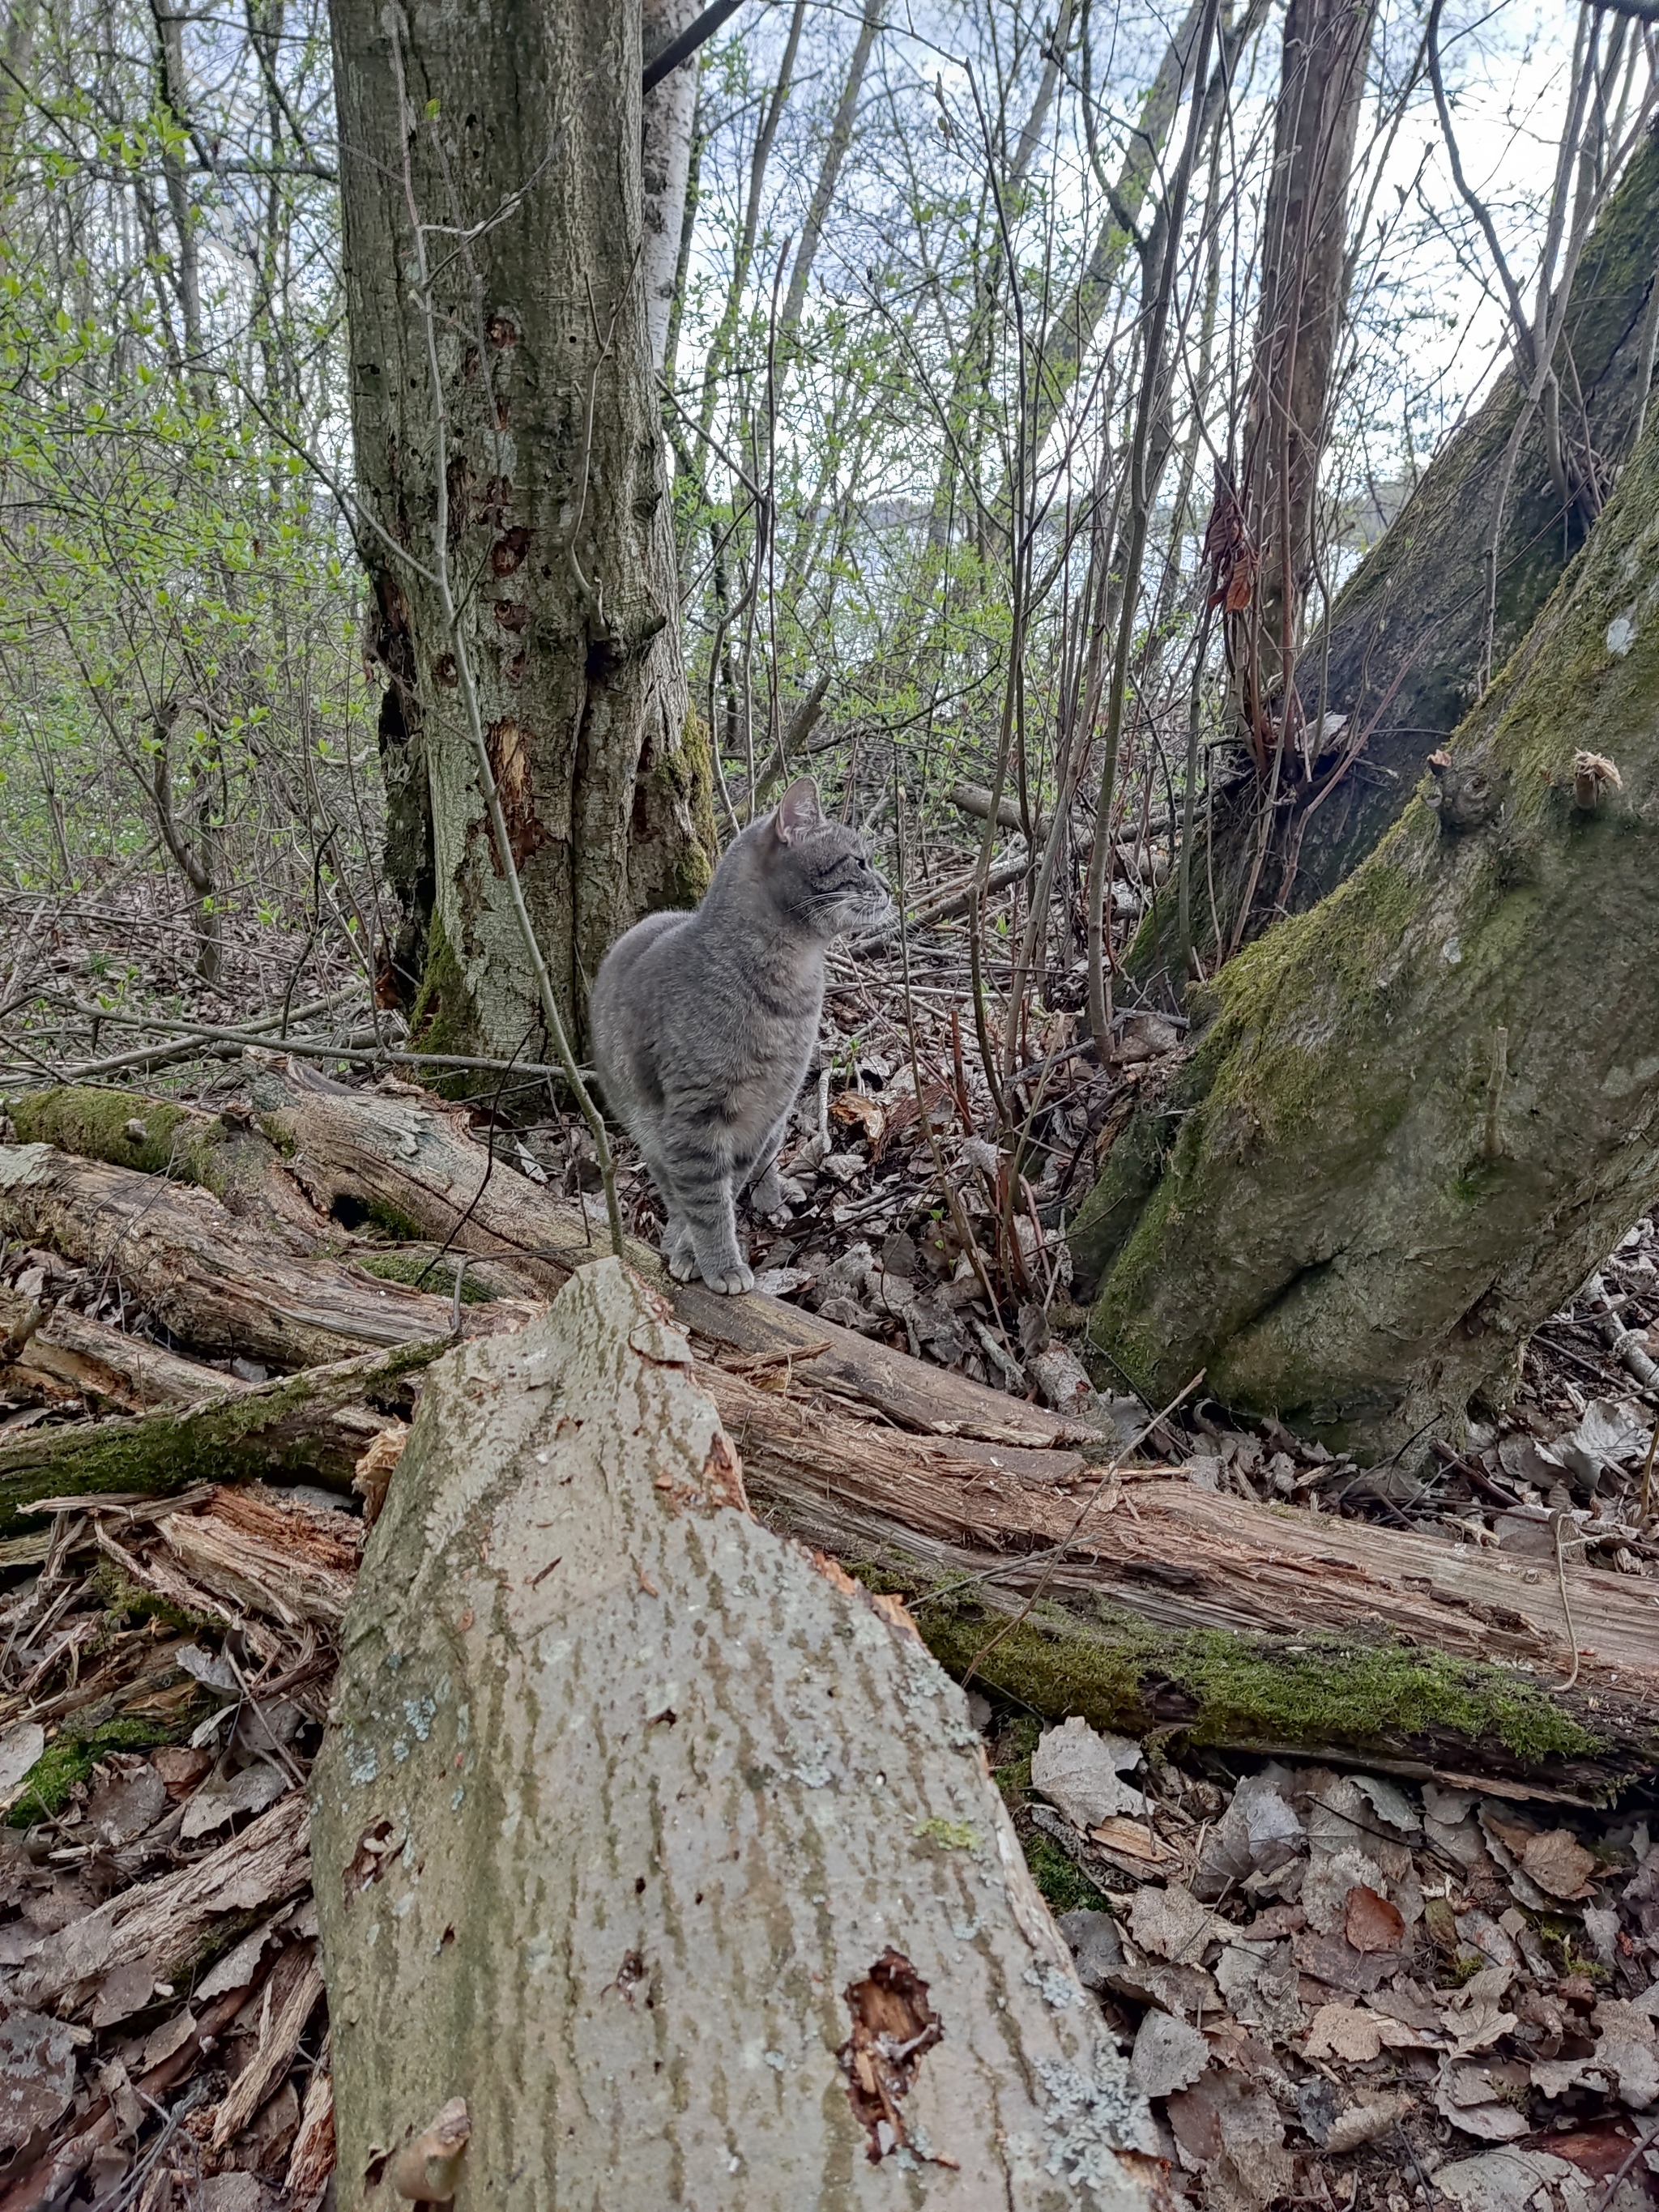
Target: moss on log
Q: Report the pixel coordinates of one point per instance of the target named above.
(313, 1424)
(1383, 1700)
(158, 1136)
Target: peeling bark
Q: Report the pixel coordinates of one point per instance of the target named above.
(216, 1283)
(628, 1804)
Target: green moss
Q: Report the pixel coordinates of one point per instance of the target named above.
(94, 1124)
(949, 1835)
(426, 1273)
(445, 1019)
(1065, 1887)
(121, 1597)
(71, 1759)
(1119, 1672)
(688, 774)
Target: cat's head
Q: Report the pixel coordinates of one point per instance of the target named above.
(820, 872)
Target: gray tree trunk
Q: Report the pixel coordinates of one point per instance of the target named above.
(665, 1849)
(1414, 1118)
(512, 133)
(670, 112)
(1401, 657)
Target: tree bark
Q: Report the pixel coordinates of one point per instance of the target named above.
(637, 1827)
(514, 430)
(312, 1426)
(1414, 1118)
(1399, 659)
(213, 1282)
(670, 112)
(1298, 318)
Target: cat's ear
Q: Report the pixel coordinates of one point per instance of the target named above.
(799, 811)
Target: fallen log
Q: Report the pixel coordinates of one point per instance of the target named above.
(64, 1354)
(667, 1852)
(312, 1426)
(1167, 1605)
(222, 1152)
(407, 1160)
(1173, 1607)
(411, 1159)
(216, 1283)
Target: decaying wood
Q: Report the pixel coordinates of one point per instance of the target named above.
(223, 1152)
(1290, 1591)
(617, 1778)
(214, 1282)
(313, 1425)
(162, 1923)
(881, 1459)
(68, 1354)
(405, 1153)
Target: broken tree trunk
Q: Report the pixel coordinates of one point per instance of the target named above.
(312, 1426)
(214, 1282)
(1413, 1119)
(668, 1852)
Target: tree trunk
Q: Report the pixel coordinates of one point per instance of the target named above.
(535, 472)
(1298, 317)
(670, 112)
(1412, 1119)
(1401, 657)
(663, 1847)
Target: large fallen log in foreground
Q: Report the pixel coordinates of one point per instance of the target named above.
(669, 1854)
(1170, 1607)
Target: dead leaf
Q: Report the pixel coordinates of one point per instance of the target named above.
(214, 1803)
(1340, 2031)
(37, 2075)
(858, 1110)
(21, 1745)
(1559, 1863)
(1168, 2055)
(1370, 1922)
(1471, 2098)
(371, 1476)
(1077, 1770)
(1363, 2123)
(1171, 1923)
(1230, 2131)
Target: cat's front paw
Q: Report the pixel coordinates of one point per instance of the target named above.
(730, 1276)
(683, 1262)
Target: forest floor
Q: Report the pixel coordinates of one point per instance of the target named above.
(1339, 1988)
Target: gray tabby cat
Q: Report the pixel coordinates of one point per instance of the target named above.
(704, 1023)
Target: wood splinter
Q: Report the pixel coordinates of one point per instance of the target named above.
(428, 2170)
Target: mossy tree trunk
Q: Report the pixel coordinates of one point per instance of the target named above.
(1403, 651)
(533, 460)
(1411, 1120)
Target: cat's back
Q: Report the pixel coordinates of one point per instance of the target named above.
(623, 1010)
